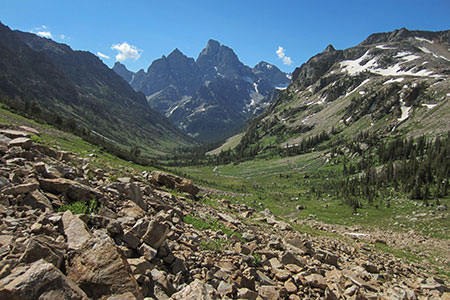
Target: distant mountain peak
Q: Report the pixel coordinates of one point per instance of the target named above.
(329, 48)
(122, 70)
(176, 52)
(216, 89)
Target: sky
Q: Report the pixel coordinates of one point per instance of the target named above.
(284, 33)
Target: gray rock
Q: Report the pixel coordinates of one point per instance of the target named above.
(36, 199)
(75, 230)
(147, 252)
(156, 234)
(139, 265)
(140, 227)
(290, 258)
(131, 239)
(196, 290)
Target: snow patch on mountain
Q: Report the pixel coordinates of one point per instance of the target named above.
(355, 89)
(392, 80)
(405, 111)
(370, 63)
(423, 40)
(384, 47)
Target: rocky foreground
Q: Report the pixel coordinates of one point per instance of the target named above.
(138, 245)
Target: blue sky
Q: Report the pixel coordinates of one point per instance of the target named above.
(254, 29)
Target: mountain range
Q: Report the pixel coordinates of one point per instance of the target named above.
(391, 83)
(210, 98)
(51, 81)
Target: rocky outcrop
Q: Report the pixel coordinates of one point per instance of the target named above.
(122, 251)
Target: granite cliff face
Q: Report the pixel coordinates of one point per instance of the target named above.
(211, 97)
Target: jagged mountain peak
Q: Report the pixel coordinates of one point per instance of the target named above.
(329, 48)
(216, 89)
(176, 52)
(122, 70)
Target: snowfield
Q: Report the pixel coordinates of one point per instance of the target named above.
(354, 67)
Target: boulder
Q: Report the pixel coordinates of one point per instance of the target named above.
(72, 189)
(75, 230)
(226, 289)
(160, 278)
(139, 265)
(36, 199)
(147, 252)
(12, 134)
(43, 247)
(100, 270)
(269, 292)
(245, 293)
(42, 280)
(131, 239)
(174, 182)
(21, 188)
(290, 258)
(316, 281)
(196, 290)
(23, 142)
(327, 257)
(156, 234)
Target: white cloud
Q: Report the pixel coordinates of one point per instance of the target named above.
(102, 55)
(281, 55)
(126, 51)
(46, 34)
(62, 36)
(42, 31)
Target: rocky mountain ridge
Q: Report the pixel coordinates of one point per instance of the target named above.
(391, 82)
(141, 239)
(210, 97)
(56, 84)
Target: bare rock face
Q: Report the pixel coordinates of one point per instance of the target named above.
(100, 270)
(41, 280)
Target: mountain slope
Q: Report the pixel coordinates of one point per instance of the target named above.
(60, 83)
(391, 82)
(211, 97)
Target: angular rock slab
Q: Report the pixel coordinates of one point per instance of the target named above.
(197, 290)
(156, 234)
(99, 269)
(40, 281)
(74, 190)
(75, 230)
